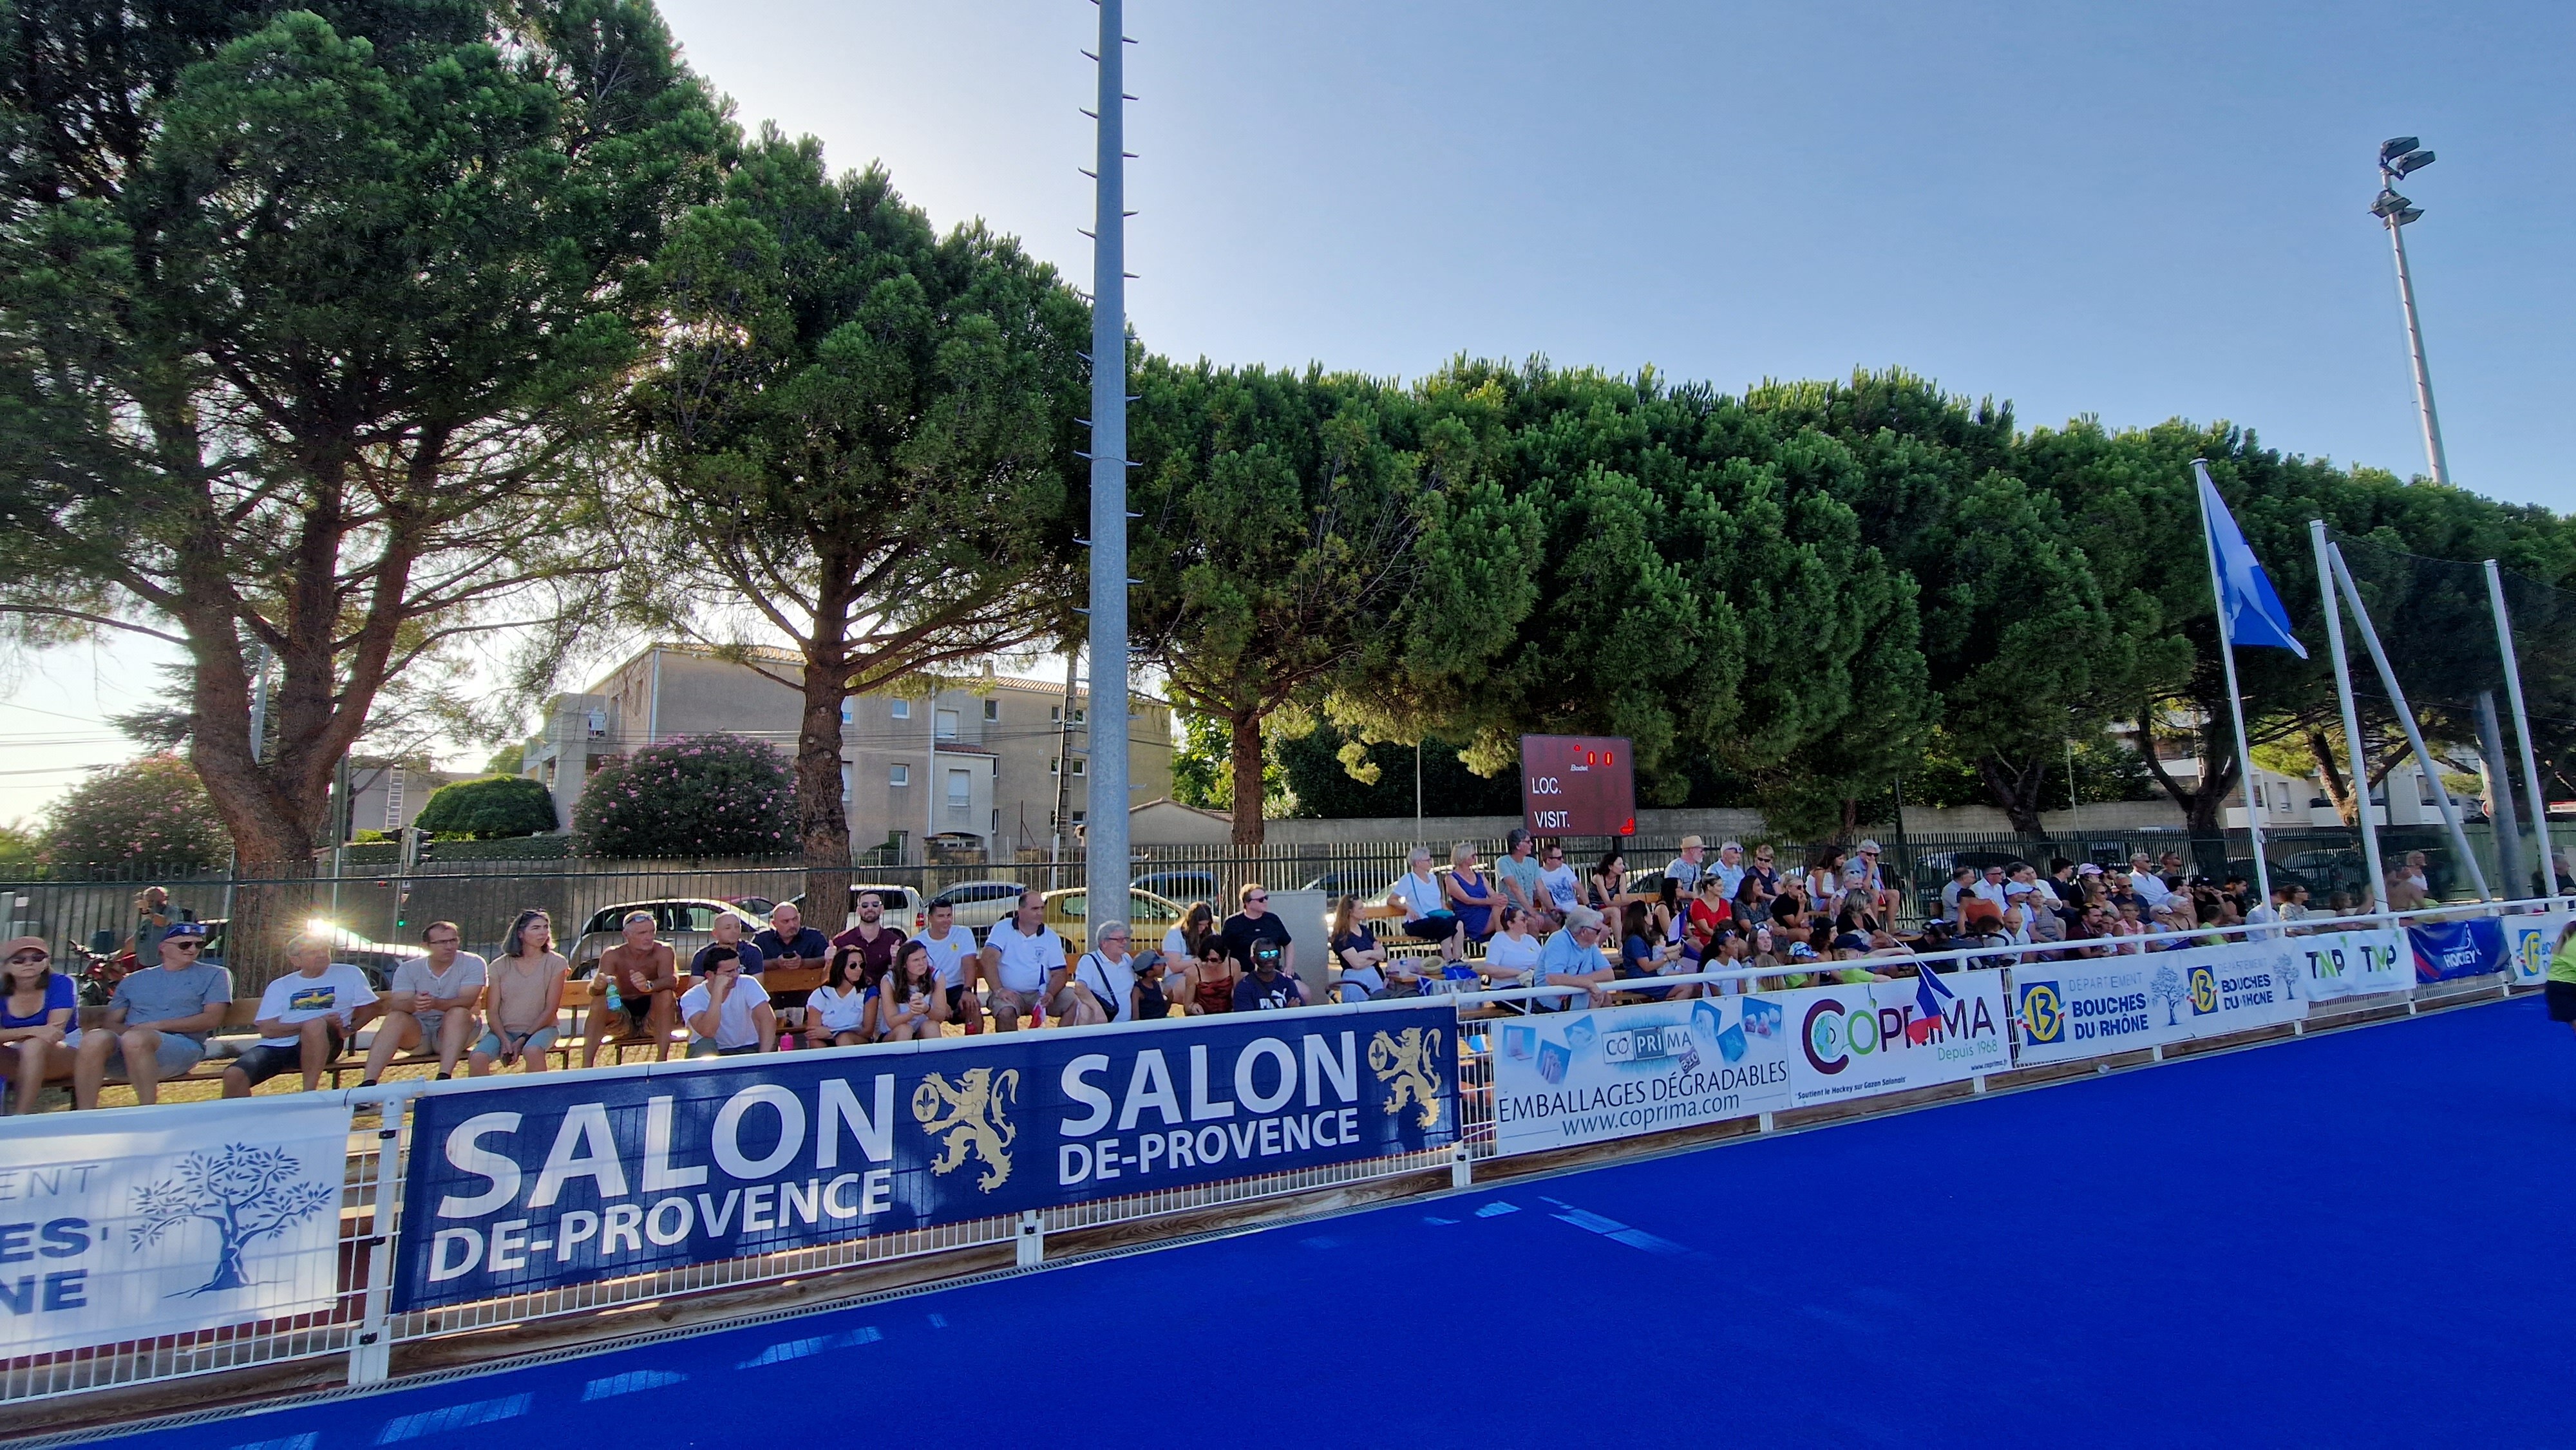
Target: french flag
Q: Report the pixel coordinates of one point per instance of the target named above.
(1929, 993)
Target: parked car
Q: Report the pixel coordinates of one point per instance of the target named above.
(1148, 916)
(1368, 883)
(1180, 885)
(904, 909)
(375, 958)
(687, 923)
(979, 904)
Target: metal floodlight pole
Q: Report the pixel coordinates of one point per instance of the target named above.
(2356, 760)
(1105, 852)
(2395, 218)
(2406, 717)
(2522, 731)
(2235, 700)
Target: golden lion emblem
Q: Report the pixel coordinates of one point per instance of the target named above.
(1411, 1063)
(975, 1114)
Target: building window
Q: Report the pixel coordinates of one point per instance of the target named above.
(945, 724)
(550, 775)
(848, 709)
(961, 790)
(992, 708)
(900, 775)
(846, 781)
(902, 709)
(1077, 765)
(997, 820)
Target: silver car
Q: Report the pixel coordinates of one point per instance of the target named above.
(979, 904)
(687, 923)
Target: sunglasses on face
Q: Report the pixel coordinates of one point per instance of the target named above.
(1255, 900)
(189, 945)
(20, 959)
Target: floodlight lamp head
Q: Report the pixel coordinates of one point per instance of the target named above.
(2396, 146)
(2388, 204)
(2411, 161)
(2409, 216)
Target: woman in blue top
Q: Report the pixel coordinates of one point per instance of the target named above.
(33, 1019)
(1470, 892)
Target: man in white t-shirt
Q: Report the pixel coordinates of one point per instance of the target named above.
(432, 1001)
(2148, 886)
(305, 1018)
(728, 1012)
(1557, 881)
(952, 948)
(1020, 956)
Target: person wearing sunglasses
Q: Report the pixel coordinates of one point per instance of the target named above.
(1256, 922)
(157, 1023)
(36, 1009)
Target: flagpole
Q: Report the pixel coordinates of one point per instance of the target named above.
(2359, 760)
(2235, 698)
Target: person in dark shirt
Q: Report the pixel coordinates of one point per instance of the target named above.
(1254, 923)
(875, 940)
(788, 942)
(728, 935)
(1269, 988)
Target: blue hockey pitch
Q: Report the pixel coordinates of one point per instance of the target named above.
(2326, 1242)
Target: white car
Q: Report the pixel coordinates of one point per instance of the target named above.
(687, 923)
(904, 909)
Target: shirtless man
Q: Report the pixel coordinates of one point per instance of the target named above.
(638, 983)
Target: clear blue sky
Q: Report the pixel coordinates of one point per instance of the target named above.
(2134, 211)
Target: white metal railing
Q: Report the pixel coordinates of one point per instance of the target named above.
(358, 1321)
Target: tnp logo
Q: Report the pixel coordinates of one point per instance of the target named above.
(2043, 1011)
(2204, 990)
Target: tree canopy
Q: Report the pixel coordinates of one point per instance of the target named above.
(489, 809)
(147, 812)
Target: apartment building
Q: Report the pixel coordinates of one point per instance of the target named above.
(975, 770)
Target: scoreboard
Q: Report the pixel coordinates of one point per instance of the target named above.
(1578, 785)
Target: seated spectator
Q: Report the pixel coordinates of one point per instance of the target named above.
(35, 1018)
(1515, 949)
(908, 1005)
(306, 1018)
(1021, 955)
(1572, 957)
(1209, 984)
(1270, 987)
(1181, 943)
(1825, 873)
(1641, 955)
(1518, 871)
(875, 940)
(1359, 963)
(727, 1011)
(727, 930)
(1254, 923)
(952, 948)
(1100, 986)
(1562, 885)
(836, 1013)
(431, 1004)
(1606, 889)
(523, 1000)
(1764, 868)
(155, 1026)
(1469, 893)
(1729, 868)
(788, 942)
(1709, 910)
(1427, 916)
(638, 984)
(1685, 868)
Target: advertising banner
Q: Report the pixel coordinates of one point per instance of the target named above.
(1884, 1037)
(1584, 1077)
(2091, 1006)
(152, 1221)
(2353, 963)
(539, 1182)
(2449, 949)
(2530, 941)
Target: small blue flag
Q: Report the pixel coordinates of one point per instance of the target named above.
(2247, 605)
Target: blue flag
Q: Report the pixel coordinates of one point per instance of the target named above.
(2247, 606)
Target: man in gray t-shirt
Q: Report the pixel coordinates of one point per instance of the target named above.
(431, 1000)
(157, 1022)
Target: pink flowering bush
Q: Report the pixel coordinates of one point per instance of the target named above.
(151, 811)
(699, 795)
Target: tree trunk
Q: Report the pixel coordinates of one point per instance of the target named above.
(2338, 791)
(2016, 788)
(822, 821)
(1247, 778)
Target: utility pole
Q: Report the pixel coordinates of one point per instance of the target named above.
(1105, 850)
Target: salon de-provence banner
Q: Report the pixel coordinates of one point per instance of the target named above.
(536, 1183)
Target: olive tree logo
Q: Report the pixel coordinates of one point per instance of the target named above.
(247, 1193)
(2166, 987)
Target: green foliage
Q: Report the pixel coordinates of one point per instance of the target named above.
(1199, 766)
(149, 811)
(489, 809)
(510, 759)
(695, 796)
(21, 847)
(1335, 776)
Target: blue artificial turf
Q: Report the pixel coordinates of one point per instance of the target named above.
(2340, 1241)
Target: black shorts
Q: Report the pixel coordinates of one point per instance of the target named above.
(261, 1062)
(956, 996)
(2562, 1001)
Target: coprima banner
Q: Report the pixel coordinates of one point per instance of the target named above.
(1883, 1037)
(2353, 963)
(2086, 1007)
(1583, 1077)
(534, 1183)
(2530, 941)
(152, 1221)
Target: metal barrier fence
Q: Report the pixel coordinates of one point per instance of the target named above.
(357, 1320)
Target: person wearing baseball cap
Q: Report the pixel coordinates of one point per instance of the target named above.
(37, 1006)
(156, 1025)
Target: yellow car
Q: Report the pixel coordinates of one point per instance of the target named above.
(1148, 917)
